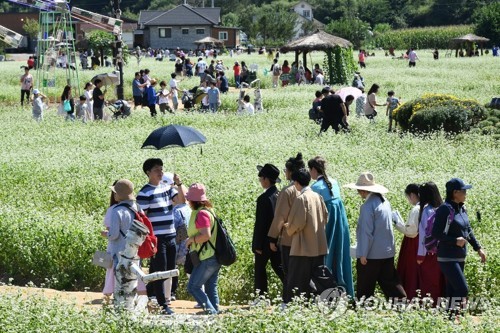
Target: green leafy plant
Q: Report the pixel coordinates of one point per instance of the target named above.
(339, 64)
(433, 112)
(421, 38)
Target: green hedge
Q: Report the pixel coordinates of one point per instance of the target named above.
(422, 38)
(433, 112)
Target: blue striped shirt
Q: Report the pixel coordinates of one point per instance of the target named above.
(156, 201)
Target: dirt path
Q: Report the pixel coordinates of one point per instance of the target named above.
(87, 299)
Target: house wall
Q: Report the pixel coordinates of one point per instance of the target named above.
(185, 42)
(302, 7)
(233, 36)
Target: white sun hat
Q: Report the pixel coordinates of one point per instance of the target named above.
(366, 182)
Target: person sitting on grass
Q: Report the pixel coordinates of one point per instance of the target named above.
(248, 107)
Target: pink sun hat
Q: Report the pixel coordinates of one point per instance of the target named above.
(196, 192)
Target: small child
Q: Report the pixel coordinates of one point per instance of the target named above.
(392, 104)
(213, 96)
(82, 109)
(360, 104)
(174, 91)
(182, 214)
(38, 105)
(204, 101)
(163, 95)
(248, 107)
(316, 105)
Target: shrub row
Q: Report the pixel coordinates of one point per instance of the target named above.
(421, 38)
(433, 112)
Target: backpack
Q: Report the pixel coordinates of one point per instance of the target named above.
(431, 243)
(276, 69)
(225, 252)
(150, 245)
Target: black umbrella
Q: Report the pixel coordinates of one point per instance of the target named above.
(173, 136)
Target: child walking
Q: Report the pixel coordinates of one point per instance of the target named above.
(163, 95)
(392, 104)
(213, 97)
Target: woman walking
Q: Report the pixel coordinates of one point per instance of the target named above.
(88, 93)
(278, 236)
(407, 261)
(68, 103)
(338, 259)
(306, 226)
(201, 231)
(430, 278)
(371, 102)
(453, 230)
(109, 282)
(375, 241)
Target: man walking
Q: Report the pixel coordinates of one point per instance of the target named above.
(26, 85)
(155, 198)
(334, 111)
(266, 203)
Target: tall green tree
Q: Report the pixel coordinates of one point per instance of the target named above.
(352, 29)
(275, 24)
(102, 41)
(487, 22)
(32, 28)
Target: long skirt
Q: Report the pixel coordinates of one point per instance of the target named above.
(338, 259)
(430, 278)
(407, 266)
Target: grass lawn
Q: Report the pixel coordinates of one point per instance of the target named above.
(55, 177)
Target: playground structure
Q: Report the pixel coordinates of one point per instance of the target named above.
(56, 42)
(10, 37)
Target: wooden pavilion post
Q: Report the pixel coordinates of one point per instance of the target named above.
(297, 52)
(304, 59)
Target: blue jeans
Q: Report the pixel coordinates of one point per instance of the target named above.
(206, 274)
(237, 80)
(213, 107)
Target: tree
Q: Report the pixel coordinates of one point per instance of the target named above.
(487, 22)
(352, 29)
(230, 20)
(275, 24)
(32, 28)
(102, 41)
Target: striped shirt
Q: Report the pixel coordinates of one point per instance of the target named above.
(156, 201)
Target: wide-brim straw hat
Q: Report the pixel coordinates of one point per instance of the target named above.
(124, 190)
(366, 182)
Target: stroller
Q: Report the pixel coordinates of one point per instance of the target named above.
(119, 109)
(191, 98)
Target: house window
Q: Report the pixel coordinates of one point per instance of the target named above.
(223, 35)
(306, 13)
(200, 31)
(165, 32)
(185, 31)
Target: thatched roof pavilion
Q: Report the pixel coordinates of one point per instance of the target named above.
(318, 41)
(209, 41)
(469, 40)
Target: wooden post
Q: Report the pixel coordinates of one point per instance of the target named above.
(304, 59)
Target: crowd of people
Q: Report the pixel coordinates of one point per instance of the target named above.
(331, 110)
(299, 228)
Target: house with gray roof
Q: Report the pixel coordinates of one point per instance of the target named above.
(181, 27)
